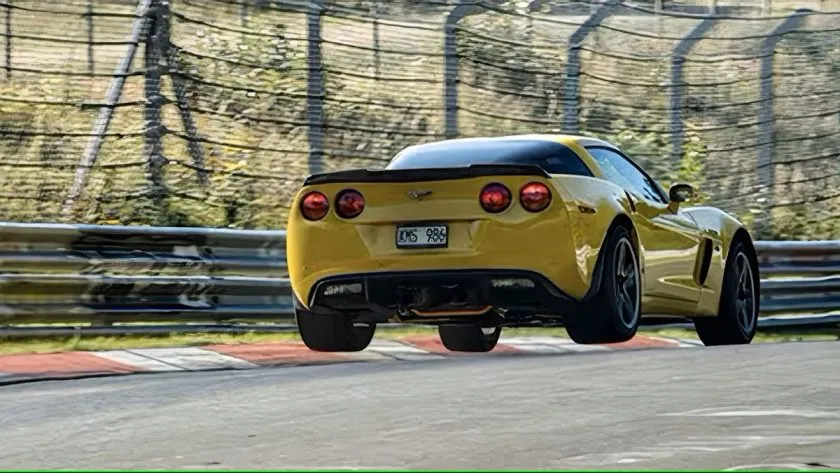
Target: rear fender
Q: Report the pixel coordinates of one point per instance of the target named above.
(594, 207)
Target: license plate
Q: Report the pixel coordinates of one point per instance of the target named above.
(422, 236)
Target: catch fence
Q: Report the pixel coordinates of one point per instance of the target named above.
(211, 112)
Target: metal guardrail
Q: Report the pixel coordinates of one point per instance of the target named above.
(799, 276)
(67, 274)
(103, 274)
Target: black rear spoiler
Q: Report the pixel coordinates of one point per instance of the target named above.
(425, 174)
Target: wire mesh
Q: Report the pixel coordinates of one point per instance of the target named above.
(215, 114)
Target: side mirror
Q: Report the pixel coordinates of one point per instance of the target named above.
(681, 192)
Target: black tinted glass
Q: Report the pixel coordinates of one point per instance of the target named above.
(622, 172)
(553, 157)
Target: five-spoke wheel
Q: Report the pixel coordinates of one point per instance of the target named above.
(613, 314)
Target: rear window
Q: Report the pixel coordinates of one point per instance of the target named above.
(554, 158)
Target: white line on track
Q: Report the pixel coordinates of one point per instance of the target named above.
(769, 467)
(746, 412)
(133, 359)
(548, 345)
(401, 351)
(193, 359)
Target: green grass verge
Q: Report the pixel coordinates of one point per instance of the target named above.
(90, 343)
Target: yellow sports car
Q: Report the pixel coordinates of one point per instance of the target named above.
(476, 234)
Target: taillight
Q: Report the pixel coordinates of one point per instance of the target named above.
(349, 203)
(314, 206)
(495, 198)
(534, 196)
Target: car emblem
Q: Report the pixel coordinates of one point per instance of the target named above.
(418, 194)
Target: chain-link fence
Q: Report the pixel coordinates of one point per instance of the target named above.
(211, 112)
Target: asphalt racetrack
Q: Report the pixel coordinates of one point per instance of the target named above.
(727, 407)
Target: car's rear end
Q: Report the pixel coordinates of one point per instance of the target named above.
(433, 242)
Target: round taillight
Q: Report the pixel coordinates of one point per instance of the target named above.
(349, 203)
(314, 206)
(495, 198)
(534, 196)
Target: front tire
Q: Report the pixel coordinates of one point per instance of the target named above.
(332, 333)
(737, 318)
(613, 314)
(469, 338)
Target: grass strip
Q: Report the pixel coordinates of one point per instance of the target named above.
(11, 346)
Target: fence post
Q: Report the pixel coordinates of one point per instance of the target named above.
(451, 66)
(571, 100)
(173, 68)
(678, 86)
(9, 39)
(537, 4)
(91, 65)
(243, 12)
(766, 123)
(376, 46)
(153, 145)
(103, 119)
(315, 87)
(657, 13)
(532, 8)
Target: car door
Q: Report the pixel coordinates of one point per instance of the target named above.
(670, 240)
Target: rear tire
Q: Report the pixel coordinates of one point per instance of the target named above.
(332, 333)
(469, 338)
(613, 314)
(737, 317)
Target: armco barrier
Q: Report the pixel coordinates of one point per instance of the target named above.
(99, 274)
(799, 276)
(53, 273)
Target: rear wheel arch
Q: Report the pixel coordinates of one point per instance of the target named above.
(613, 313)
(626, 221)
(622, 220)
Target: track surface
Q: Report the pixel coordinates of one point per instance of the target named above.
(686, 408)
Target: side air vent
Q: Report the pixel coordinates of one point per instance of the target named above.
(705, 260)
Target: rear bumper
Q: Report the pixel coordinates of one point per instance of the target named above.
(439, 293)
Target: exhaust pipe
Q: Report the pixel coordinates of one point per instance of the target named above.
(414, 297)
(457, 294)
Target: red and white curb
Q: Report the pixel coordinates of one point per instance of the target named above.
(30, 367)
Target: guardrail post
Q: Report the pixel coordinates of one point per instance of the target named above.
(451, 66)
(315, 86)
(678, 86)
(571, 100)
(766, 122)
